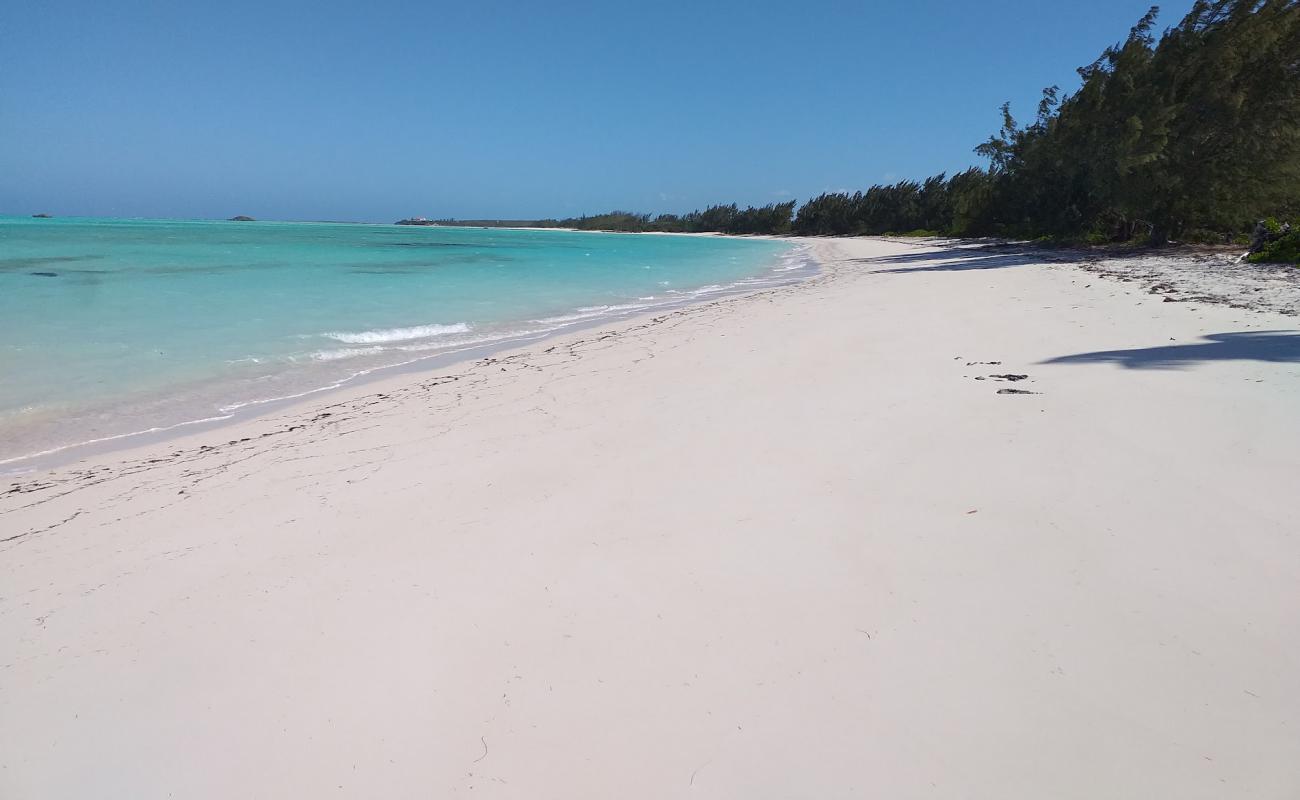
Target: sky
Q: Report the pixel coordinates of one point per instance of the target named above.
(510, 110)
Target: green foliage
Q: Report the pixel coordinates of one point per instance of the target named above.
(772, 219)
(1192, 135)
(934, 207)
(1284, 249)
(1198, 131)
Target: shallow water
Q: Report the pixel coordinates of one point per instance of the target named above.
(113, 326)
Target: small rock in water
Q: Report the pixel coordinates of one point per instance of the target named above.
(44, 274)
(1012, 378)
(1016, 391)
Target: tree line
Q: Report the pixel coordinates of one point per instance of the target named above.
(770, 219)
(1192, 135)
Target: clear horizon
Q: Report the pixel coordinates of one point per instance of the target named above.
(319, 112)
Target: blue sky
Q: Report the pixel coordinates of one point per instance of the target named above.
(357, 111)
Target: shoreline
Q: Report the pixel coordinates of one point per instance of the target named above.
(936, 522)
(1154, 270)
(13, 466)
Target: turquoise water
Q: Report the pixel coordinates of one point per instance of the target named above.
(114, 326)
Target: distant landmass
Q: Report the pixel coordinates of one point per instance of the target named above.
(474, 223)
(42, 216)
(242, 218)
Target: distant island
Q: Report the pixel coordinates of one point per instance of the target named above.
(42, 216)
(479, 223)
(242, 218)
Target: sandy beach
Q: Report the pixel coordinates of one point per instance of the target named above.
(938, 523)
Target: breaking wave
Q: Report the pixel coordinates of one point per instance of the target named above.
(384, 335)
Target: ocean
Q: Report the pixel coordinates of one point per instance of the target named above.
(115, 327)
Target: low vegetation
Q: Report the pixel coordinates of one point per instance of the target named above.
(1276, 242)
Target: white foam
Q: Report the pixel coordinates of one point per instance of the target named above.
(449, 344)
(344, 352)
(598, 312)
(383, 335)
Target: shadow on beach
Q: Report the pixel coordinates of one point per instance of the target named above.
(958, 259)
(1279, 347)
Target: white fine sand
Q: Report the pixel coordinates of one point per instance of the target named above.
(782, 546)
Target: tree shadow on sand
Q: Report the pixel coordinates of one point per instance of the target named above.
(958, 259)
(1278, 347)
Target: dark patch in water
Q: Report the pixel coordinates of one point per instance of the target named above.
(27, 264)
(432, 244)
(44, 274)
(414, 268)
